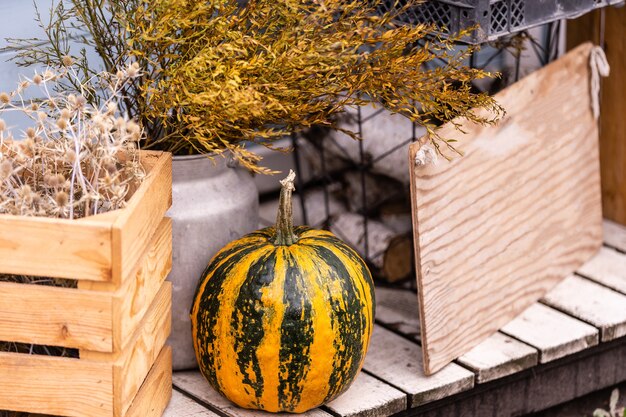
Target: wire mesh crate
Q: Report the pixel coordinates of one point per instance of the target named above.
(494, 18)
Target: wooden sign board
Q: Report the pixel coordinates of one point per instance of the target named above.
(497, 228)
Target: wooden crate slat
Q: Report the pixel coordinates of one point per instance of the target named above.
(134, 227)
(193, 383)
(615, 235)
(140, 288)
(368, 397)
(398, 310)
(499, 356)
(156, 391)
(555, 334)
(137, 359)
(134, 297)
(524, 205)
(182, 406)
(608, 268)
(398, 362)
(131, 365)
(592, 303)
(53, 316)
(55, 248)
(59, 386)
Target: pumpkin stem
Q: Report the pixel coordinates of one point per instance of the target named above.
(284, 220)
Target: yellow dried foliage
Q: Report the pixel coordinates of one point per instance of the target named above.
(219, 75)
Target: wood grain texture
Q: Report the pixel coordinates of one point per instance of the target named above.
(133, 364)
(137, 223)
(608, 268)
(182, 406)
(553, 333)
(498, 356)
(156, 391)
(398, 361)
(55, 248)
(613, 104)
(141, 287)
(497, 228)
(615, 235)
(591, 303)
(193, 383)
(59, 386)
(495, 357)
(54, 316)
(368, 397)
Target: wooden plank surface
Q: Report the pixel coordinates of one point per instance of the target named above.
(156, 391)
(137, 223)
(613, 103)
(398, 310)
(182, 406)
(55, 248)
(497, 356)
(497, 228)
(55, 316)
(608, 268)
(59, 386)
(398, 361)
(193, 383)
(591, 303)
(615, 235)
(553, 333)
(368, 397)
(133, 364)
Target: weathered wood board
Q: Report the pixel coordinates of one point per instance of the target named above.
(497, 228)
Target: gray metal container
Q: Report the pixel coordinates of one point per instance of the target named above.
(213, 204)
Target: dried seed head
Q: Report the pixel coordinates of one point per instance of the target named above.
(62, 123)
(71, 99)
(6, 169)
(49, 75)
(61, 198)
(34, 106)
(70, 157)
(42, 116)
(24, 85)
(67, 60)
(135, 65)
(66, 114)
(120, 75)
(3, 125)
(30, 132)
(5, 98)
(37, 79)
(80, 101)
(111, 108)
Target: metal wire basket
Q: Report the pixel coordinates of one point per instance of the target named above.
(494, 18)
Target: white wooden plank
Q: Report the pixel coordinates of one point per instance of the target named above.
(398, 310)
(608, 267)
(499, 356)
(555, 334)
(494, 358)
(369, 397)
(194, 383)
(182, 406)
(398, 361)
(592, 303)
(615, 235)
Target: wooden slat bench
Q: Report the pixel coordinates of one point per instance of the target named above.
(570, 343)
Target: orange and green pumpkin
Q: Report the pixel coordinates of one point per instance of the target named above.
(282, 317)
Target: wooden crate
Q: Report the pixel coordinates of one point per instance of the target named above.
(118, 317)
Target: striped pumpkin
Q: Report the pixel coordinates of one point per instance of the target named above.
(282, 317)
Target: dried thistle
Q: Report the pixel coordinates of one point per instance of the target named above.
(79, 162)
(217, 75)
